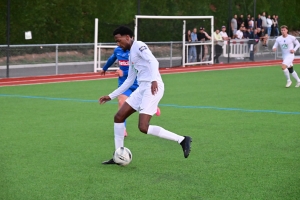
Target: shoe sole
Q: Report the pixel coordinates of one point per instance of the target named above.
(186, 154)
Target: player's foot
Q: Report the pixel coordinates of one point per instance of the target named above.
(288, 84)
(186, 146)
(157, 112)
(125, 133)
(298, 84)
(111, 161)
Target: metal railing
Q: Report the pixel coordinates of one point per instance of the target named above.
(53, 59)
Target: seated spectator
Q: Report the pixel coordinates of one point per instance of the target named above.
(263, 37)
(240, 33)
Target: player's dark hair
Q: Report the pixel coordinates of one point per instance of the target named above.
(123, 30)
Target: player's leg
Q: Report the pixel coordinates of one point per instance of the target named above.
(294, 74)
(286, 72)
(121, 99)
(123, 113)
(148, 108)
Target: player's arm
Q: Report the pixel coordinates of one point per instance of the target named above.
(108, 63)
(275, 45)
(127, 84)
(296, 43)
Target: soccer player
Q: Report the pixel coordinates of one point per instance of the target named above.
(122, 73)
(145, 67)
(289, 45)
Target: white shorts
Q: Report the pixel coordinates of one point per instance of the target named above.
(288, 60)
(142, 99)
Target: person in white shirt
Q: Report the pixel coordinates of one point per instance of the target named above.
(239, 33)
(224, 34)
(145, 67)
(218, 45)
(289, 45)
(269, 25)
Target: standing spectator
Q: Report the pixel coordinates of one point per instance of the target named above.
(258, 22)
(269, 25)
(275, 26)
(251, 23)
(218, 45)
(189, 40)
(248, 19)
(193, 47)
(200, 48)
(234, 25)
(254, 39)
(224, 34)
(264, 21)
(207, 49)
(240, 21)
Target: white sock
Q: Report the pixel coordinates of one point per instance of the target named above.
(287, 74)
(295, 75)
(162, 133)
(119, 129)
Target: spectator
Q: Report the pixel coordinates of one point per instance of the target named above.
(254, 39)
(264, 21)
(240, 33)
(247, 33)
(193, 47)
(202, 36)
(275, 26)
(218, 45)
(188, 39)
(224, 34)
(234, 25)
(269, 25)
(251, 23)
(262, 37)
(258, 22)
(247, 21)
(240, 21)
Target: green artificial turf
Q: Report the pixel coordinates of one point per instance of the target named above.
(244, 124)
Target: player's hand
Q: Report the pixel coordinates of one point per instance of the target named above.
(102, 72)
(104, 99)
(154, 87)
(292, 51)
(119, 73)
(274, 49)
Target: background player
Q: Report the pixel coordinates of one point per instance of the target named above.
(145, 67)
(122, 73)
(287, 42)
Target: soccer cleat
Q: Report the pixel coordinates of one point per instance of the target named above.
(157, 112)
(108, 162)
(298, 84)
(186, 146)
(288, 84)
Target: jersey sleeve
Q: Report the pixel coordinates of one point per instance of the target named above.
(110, 61)
(296, 43)
(127, 84)
(145, 53)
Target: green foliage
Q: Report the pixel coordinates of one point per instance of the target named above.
(72, 21)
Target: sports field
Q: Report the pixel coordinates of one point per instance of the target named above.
(244, 124)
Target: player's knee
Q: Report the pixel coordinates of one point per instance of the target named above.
(143, 127)
(118, 118)
(291, 70)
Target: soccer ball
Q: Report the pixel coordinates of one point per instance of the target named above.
(122, 156)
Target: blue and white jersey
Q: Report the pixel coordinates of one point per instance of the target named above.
(122, 57)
